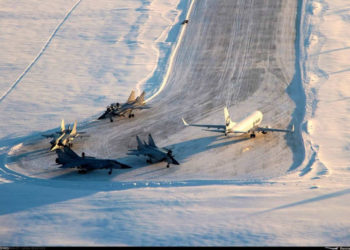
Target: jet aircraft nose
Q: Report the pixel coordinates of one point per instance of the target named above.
(173, 161)
(120, 165)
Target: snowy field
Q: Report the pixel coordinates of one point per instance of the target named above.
(69, 59)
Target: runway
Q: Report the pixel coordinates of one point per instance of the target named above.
(238, 54)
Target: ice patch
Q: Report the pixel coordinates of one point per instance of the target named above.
(309, 127)
(313, 40)
(313, 79)
(14, 149)
(3, 181)
(316, 8)
(246, 149)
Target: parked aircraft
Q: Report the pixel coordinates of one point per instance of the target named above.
(154, 153)
(65, 139)
(69, 159)
(58, 133)
(117, 109)
(248, 125)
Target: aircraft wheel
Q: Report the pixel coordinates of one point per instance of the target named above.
(167, 166)
(252, 135)
(132, 115)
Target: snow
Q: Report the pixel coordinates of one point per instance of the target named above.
(271, 191)
(76, 61)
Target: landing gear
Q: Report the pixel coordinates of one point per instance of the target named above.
(111, 119)
(82, 171)
(110, 172)
(168, 165)
(70, 145)
(131, 115)
(252, 135)
(264, 132)
(149, 161)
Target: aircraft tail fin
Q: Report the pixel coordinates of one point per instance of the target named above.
(132, 96)
(74, 129)
(228, 121)
(139, 142)
(63, 126)
(151, 141)
(141, 98)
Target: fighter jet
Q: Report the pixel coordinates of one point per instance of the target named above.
(59, 133)
(117, 109)
(67, 158)
(154, 153)
(65, 139)
(249, 125)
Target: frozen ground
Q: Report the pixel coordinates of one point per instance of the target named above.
(245, 63)
(274, 190)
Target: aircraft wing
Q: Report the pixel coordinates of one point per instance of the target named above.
(274, 130)
(71, 164)
(204, 125)
(103, 116)
(114, 164)
(122, 165)
(133, 152)
(143, 107)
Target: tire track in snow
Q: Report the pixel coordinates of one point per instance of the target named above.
(172, 55)
(14, 85)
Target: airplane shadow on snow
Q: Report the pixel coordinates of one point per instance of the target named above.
(30, 193)
(181, 152)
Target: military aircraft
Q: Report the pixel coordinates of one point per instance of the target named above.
(58, 133)
(65, 139)
(117, 109)
(249, 125)
(67, 158)
(154, 153)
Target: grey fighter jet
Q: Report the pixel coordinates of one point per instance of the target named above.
(154, 153)
(117, 109)
(67, 158)
(65, 139)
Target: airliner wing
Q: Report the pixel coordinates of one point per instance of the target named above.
(204, 125)
(274, 130)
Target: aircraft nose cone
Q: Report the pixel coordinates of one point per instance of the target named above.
(173, 161)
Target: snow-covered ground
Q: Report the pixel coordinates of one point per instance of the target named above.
(308, 205)
(78, 57)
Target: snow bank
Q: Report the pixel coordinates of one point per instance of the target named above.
(326, 75)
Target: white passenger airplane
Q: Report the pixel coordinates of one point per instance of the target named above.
(249, 125)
